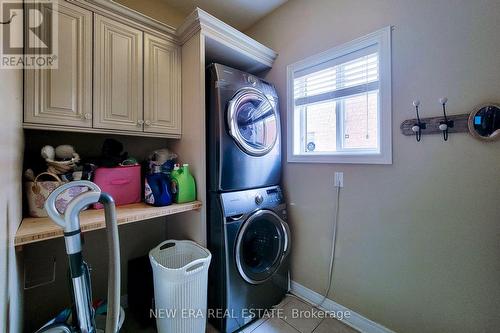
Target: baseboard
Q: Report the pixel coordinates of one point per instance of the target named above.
(355, 320)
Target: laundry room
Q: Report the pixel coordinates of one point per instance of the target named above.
(277, 166)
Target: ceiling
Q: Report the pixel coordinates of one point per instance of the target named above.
(241, 14)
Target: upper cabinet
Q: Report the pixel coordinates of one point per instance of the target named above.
(63, 96)
(116, 74)
(118, 80)
(162, 85)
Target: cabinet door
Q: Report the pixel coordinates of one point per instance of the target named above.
(63, 96)
(117, 76)
(162, 86)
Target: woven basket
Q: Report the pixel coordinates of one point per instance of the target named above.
(37, 193)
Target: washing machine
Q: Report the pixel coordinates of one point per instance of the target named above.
(243, 131)
(250, 243)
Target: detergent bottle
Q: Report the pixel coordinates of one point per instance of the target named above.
(183, 185)
(157, 187)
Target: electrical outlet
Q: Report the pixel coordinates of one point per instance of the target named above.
(339, 179)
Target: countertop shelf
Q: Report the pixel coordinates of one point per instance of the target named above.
(33, 229)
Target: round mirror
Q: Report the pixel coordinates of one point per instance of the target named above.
(484, 122)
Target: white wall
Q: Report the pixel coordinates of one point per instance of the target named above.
(11, 150)
(10, 198)
(418, 241)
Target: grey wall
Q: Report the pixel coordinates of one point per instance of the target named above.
(418, 241)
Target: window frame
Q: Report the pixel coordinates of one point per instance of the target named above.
(382, 39)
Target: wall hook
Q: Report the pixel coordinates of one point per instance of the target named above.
(419, 126)
(445, 125)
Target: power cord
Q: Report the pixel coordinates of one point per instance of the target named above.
(334, 243)
(332, 255)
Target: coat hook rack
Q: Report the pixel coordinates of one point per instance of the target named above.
(444, 124)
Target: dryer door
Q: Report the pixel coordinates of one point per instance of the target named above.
(253, 121)
(261, 245)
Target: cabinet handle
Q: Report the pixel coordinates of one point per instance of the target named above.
(87, 116)
(148, 122)
(140, 122)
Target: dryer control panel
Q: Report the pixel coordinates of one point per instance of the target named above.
(243, 202)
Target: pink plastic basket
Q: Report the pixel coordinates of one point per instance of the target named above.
(123, 183)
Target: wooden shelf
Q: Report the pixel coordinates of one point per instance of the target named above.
(33, 229)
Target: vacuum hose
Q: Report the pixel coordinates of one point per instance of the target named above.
(113, 312)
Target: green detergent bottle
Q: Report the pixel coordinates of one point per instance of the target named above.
(183, 185)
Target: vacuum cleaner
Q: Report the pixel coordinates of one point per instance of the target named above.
(83, 316)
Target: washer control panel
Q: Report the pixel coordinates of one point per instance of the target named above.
(274, 195)
(247, 201)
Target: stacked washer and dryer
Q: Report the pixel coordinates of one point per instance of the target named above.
(247, 230)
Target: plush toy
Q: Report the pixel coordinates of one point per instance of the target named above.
(62, 159)
(48, 153)
(65, 152)
(161, 156)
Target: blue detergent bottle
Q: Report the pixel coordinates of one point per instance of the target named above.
(157, 187)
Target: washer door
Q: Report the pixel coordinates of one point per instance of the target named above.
(253, 121)
(261, 245)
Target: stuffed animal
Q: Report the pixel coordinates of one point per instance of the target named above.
(65, 152)
(48, 153)
(62, 159)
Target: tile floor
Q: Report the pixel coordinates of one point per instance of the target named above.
(286, 323)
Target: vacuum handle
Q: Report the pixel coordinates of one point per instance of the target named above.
(50, 203)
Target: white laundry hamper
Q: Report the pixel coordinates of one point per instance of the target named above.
(180, 274)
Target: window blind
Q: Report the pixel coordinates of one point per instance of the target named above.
(352, 74)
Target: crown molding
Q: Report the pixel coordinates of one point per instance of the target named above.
(213, 28)
(120, 12)
(198, 21)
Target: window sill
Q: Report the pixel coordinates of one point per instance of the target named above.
(341, 159)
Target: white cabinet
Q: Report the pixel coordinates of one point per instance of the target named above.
(118, 80)
(63, 96)
(162, 85)
(114, 76)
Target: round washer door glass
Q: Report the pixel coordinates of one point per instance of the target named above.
(260, 246)
(253, 121)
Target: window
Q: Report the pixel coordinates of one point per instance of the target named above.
(339, 104)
